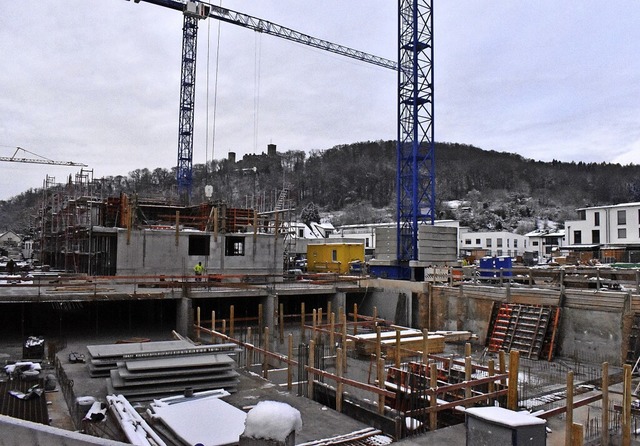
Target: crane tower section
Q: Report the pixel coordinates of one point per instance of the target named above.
(193, 12)
(415, 155)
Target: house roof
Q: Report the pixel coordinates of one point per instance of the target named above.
(609, 206)
(546, 233)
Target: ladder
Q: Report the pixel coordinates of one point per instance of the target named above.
(500, 327)
(282, 198)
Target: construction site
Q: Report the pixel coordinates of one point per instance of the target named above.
(155, 321)
(403, 359)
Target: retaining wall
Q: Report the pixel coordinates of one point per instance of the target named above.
(594, 326)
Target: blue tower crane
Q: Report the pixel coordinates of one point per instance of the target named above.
(415, 179)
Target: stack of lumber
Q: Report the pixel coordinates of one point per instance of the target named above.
(410, 339)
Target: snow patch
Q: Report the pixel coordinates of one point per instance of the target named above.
(272, 420)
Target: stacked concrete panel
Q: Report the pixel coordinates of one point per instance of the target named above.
(103, 358)
(153, 378)
(147, 370)
(437, 244)
(386, 244)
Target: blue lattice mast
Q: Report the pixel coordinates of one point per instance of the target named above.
(416, 163)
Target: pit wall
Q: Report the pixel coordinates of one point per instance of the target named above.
(594, 325)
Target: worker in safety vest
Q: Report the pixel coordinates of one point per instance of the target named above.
(198, 269)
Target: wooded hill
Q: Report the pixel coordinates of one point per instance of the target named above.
(355, 183)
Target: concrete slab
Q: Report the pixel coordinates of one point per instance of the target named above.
(210, 421)
(182, 362)
(119, 350)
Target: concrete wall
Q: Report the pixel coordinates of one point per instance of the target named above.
(156, 252)
(591, 336)
(594, 326)
(396, 300)
(20, 432)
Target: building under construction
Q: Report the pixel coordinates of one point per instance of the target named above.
(83, 230)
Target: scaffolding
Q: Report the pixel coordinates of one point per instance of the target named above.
(78, 226)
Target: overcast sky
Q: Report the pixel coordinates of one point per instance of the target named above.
(97, 81)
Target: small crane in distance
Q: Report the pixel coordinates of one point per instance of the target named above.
(40, 160)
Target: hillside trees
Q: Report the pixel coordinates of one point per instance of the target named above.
(357, 182)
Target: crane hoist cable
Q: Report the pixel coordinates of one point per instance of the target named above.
(256, 89)
(215, 92)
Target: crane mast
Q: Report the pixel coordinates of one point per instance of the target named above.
(415, 179)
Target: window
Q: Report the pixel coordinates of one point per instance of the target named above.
(366, 243)
(508, 241)
(467, 241)
(301, 233)
(534, 243)
(596, 219)
(622, 232)
(577, 237)
(515, 243)
(499, 252)
(199, 245)
(488, 243)
(622, 217)
(334, 255)
(595, 236)
(234, 246)
(478, 241)
(499, 243)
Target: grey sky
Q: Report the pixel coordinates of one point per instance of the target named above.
(97, 81)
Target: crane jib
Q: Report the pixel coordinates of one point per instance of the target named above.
(267, 27)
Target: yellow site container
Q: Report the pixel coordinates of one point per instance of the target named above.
(333, 257)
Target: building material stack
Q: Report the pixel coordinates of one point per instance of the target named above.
(144, 371)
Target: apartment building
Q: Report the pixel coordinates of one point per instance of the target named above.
(492, 243)
(614, 225)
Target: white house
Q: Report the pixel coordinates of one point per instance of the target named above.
(613, 225)
(492, 243)
(545, 242)
(11, 243)
(611, 232)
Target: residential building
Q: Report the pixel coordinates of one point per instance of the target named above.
(545, 242)
(10, 244)
(613, 228)
(492, 243)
